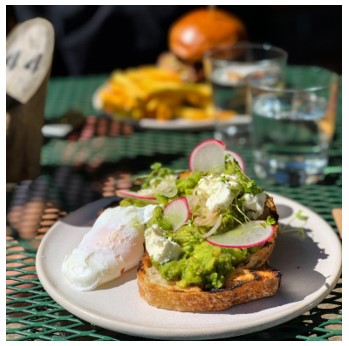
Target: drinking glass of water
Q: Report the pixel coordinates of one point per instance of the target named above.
(293, 124)
(227, 68)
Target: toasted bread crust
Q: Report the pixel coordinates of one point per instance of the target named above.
(250, 282)
(244, 286)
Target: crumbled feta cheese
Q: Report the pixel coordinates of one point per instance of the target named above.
(232, 182)
(220, 191)
(220, 197)
(254, 204)
(160, 248)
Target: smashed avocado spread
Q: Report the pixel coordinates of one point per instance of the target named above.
(218, 202)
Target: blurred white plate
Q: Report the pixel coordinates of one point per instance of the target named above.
(310, 268)
(56, 130)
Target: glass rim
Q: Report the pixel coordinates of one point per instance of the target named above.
(333, 77)
(260, 46)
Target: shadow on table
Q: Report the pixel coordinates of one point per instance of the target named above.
(34, 206)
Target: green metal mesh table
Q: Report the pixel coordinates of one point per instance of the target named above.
(83, 168)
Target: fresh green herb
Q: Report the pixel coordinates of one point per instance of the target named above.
(246, 218)
(300, 216)
(157, 173)
(224, 179)
(270, 220)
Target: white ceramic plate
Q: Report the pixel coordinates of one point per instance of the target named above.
(310, 268)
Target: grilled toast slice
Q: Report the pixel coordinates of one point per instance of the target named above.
(252, 280)
(244, 285)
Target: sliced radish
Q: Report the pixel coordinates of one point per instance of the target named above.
(207, 156)
(132, 194)
(250, 234)
(238, 159)
(177, 212)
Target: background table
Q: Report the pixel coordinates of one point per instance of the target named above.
(91, 163)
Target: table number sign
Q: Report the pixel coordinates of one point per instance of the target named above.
(29, 52)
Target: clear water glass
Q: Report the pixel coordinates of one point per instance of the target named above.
(293, 124)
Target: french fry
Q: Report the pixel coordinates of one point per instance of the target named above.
(152, 92)
(191, 113)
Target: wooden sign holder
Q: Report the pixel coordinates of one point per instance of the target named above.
(29, 52)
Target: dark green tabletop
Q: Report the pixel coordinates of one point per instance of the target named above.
(77, 170)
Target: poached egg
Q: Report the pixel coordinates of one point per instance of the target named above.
(113, 245)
